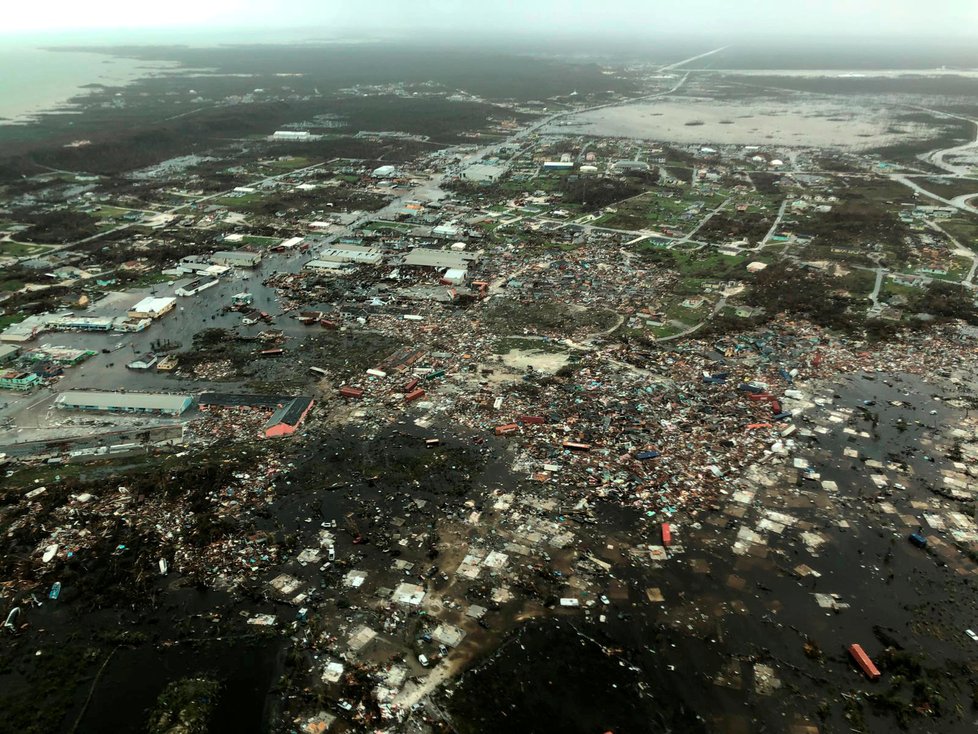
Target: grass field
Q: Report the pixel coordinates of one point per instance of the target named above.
(259, 241)
(652, 210)
(21, 249)
(14, 318)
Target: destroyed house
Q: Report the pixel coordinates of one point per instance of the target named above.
(287, 419)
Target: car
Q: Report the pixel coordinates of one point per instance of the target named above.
(423, 659)
(442, 650)
(972, 634)
(332, 553)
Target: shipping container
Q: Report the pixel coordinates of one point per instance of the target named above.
(533, 420)
(646, 455)
(351, 392)
(574, 446)
(411, 385)
(666, 533)
(414, 395)
(863, 661)
(507, 429)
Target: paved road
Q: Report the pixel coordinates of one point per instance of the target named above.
(957, 203)
(707, 218)
(777, 223)
(875, 295)
(694, 58)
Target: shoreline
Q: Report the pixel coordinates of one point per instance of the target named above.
(52, 81)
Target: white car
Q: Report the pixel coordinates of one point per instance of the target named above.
(423, 659)
(972, 634)
(332, 553)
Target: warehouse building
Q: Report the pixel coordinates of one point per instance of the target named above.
(120, 402)
(441, 259)
(8, 353)
(152, 307)
(236, 258)
(329, 266)
(353, 254)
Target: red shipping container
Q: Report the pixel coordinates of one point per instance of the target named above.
(351, 392)
(414, 395)
(863, 661)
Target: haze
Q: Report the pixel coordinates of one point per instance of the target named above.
(625, 18)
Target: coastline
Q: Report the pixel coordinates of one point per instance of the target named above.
(35, 80)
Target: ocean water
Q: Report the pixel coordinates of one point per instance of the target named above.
(33, 79)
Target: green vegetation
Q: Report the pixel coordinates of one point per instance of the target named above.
(50, 681)
(963, 229)
(14, 318)
(259, 241)
(289, 163)
(10, 248)
(784, 288)
(512, 316)
(185, 707)
(857, 281)
(945, 301)
(699, 264)
(505, 345)
(58, 227)
(949, 188)
(661, 208)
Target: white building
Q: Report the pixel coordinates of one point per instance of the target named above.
(236, 258)
(152, 307)
(292, 135)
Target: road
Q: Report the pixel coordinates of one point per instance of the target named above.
(957, 203)
(777, 223)
(694, 58)
(961, 250)
(875, 295)
(169, 212)
(703, 222)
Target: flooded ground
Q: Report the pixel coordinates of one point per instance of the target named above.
(856, 124)
(743, 623)
(740, 624)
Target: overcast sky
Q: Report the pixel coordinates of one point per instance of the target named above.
(621, 17)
